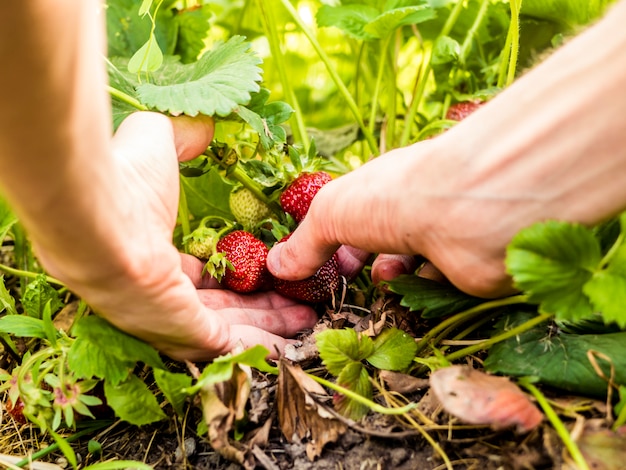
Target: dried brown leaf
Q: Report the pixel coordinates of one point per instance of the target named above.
(402, 383)
(300, 415)
(479, 398)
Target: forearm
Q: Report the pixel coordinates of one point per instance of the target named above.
(553, 145)
(56, 167)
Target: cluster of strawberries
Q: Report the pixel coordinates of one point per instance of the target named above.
(247, 254)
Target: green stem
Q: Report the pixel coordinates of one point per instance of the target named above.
(384, 46)
(508, 58)
(557, 424)
(484, 345)
(515, 9)
(240, 175)
(606, 259)
(422, 77)
(362, 400)
(183, 210)
(125, 98)
(467, 314)
(343, 90)
(269, 21)
(54, 447)
(467, 42)
(29, 274)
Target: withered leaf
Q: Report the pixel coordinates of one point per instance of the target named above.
(479, 398)
(301, 415)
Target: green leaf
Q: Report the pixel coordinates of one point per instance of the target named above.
(147, 59)
(265, 118)
(23, 326)
(445, 50)
(193, 29)
(607, 289)
(111, 352)
(207, 195)
(393, 350)
(340, 348)
(551, 262)
(127, 30)
(566, 12)
(37, 294)
(133, 402)
(351, 19)
(7, 302)
(65, 447)
(432, 298)
(354, 377)
(220, 81)
(173, 385)
(389, 21)
(221, 369)
(559, 359)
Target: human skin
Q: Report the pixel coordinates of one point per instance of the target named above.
(551, 146)
(100, 210)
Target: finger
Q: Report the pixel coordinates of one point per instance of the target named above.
(193, 268)
(351, 260)
(192, 135)
(387, 267)
(249, 336)
(268, 311)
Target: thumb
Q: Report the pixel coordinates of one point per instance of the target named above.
(302, 254)
(192, 135)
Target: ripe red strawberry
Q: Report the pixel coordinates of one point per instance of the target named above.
(296, 199)
(459, 111)
(247, 255)
(317, 288)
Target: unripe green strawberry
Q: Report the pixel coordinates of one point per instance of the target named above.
(297, 198)
(247, 256)
(247, 209)
(201, 242)
(317, 288)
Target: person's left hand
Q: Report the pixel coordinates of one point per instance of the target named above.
(161, 296)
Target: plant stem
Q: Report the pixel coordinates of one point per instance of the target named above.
(467, 42)
(183, 210)
(557, 424)
(362, 400)
(343, 90)
(240, 175)
(384, 46)
(484, 345)
(508, 59)
(29, 274)
(422, 77)
(54, 447)
(466, 314)
(120, 95)
(269, 21)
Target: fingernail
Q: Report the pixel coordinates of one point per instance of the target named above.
(273, 259)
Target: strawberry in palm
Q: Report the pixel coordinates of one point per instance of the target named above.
(247, 256)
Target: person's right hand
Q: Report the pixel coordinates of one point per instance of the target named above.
(404, 203)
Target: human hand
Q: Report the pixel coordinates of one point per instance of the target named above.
(161, 295)
(404, 203)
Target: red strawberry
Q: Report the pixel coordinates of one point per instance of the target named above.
(459, 111)
(296, 199)
(247, 255)
(317, 288)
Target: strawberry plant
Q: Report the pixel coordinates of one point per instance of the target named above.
(302, 92)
